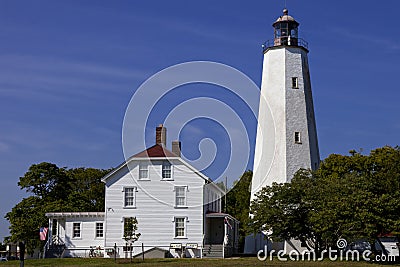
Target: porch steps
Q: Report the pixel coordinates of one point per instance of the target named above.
(213, 251)
(54, 251)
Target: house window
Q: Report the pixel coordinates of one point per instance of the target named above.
(180, 196)
(295, 83)
(297, 138)
(130, 197)
(166, 170)
(99, 229)
(180, 227)
(143, 171)
(76, 230)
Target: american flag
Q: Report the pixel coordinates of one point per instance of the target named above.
(43, 233)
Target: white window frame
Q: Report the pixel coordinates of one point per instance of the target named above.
(184, 236)
(73, 230)
(95, 230)
(176, 190)
(297, 137)
(134, 190)
(144, 166)
(164, 164)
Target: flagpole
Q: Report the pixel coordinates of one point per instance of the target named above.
(226, 187)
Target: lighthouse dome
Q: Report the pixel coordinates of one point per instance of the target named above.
(285, 18)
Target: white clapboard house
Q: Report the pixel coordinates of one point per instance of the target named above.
(178, 210)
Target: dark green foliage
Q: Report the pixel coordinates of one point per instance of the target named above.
(87, 189)
(349, 197)
(285, 209)
(238, 203)
(3, 246)
(53, 189)
(46, 180)
(130, 228)
(361, 199)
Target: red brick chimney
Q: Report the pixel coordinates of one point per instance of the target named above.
(161, 135)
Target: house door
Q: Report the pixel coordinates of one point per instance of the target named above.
(216, 234)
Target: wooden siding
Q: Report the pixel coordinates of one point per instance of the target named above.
(155, 205)
(79, 247)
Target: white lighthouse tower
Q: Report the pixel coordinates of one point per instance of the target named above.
(289, 142)
(286, 132)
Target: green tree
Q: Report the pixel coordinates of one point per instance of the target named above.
(238, 204)
(282, 211)
(130, 228)
(27, 217)
(349, 197)
(46, 180)
(130, 234)
(53, 189)
(358, 195)
(87, 189)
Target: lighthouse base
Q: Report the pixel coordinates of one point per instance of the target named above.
(256, 242)
(260, 242)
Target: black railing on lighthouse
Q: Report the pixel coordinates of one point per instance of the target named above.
(285, 41)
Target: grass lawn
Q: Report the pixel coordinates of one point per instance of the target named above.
(185, 262)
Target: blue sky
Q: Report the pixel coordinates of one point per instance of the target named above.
(69, 69)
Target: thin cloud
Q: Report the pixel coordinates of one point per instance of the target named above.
(384, 43)
(30, 76)
(60, 65)
(16, 138)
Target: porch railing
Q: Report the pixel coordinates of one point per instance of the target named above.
(56, 240)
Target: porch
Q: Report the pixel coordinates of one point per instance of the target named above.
(74, 234)
(221, 238)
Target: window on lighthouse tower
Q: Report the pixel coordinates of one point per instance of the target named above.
(297, 138)
(295, 82)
